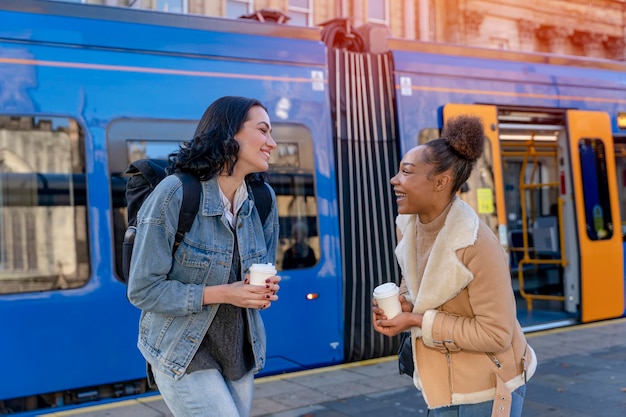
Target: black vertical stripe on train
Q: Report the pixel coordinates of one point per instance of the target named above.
(367, 151)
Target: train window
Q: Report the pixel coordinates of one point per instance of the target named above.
(595, 189)
(478, 190)
(292, 170)
(291, 175)
(43, 214)
(129, 140)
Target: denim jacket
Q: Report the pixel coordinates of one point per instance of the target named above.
(169, 289)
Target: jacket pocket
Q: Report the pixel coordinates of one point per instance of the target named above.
(191, 265)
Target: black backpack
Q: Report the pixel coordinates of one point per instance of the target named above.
(145, 175)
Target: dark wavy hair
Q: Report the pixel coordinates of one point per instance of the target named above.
(461, 144)
(213, 148)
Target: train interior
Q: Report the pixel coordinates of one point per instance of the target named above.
(530, 153)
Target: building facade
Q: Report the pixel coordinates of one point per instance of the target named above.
(594, 28)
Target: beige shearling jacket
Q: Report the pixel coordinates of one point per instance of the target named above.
(470, 347)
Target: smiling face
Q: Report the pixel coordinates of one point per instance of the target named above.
(417, 190)
(255, 143)
(411, 184)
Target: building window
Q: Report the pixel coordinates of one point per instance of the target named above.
(300, 12)
(238, 8)
(172, 6)
(499, 43)
(378, 11)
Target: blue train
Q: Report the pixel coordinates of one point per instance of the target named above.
(85, 90)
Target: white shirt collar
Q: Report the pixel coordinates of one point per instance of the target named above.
(240, 196)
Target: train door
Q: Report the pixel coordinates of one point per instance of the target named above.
(593, 192)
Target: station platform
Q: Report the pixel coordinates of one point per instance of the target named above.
(581, 373)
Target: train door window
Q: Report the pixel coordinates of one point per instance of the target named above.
(595, 189)
(620, 164)
(478, 190)
(291, 175)
(43, 213)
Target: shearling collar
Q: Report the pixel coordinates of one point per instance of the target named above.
(445, 275)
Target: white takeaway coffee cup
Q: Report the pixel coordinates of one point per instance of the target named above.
(260, 272)
(386, 296)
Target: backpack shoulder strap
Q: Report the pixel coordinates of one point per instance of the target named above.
(262, 199)
(190, 205)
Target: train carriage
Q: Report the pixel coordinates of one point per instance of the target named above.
(85, 106)
(85, 90)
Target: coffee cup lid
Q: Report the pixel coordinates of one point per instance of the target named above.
(268, 267)
(386, 290)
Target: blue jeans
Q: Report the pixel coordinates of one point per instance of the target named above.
(206, 393)
(481, 409)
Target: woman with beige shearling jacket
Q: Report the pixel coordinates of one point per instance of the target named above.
(470, 354)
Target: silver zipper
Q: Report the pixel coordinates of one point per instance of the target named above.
(494, 359)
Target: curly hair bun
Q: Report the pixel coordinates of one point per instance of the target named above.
(465, 135)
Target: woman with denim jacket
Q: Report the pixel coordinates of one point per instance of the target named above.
(200, 329)
(471, 357)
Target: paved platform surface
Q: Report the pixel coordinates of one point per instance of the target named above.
(581, 373)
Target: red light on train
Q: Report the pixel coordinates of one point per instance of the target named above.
(562, 181)
(312, 296)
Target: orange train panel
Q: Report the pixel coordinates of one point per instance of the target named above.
(601, 261)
